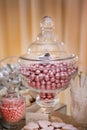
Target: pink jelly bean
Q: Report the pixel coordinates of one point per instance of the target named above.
(45, 71)
(46, 78)
(41, 76)
(49, 96)
(52, 79)
(58, 85)
(38, 84)
(32, 77)
(41, 68)
(53, 85)
(48, 82)
(57, 75)
(51, 74)
(42, 95)
(43, 82)
(37, 72)
(57, 70)
(57, 81)
(43, 87)
(37, 78)
(48, 87)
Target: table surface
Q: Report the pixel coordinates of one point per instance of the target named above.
(55, 115)
(66, 118)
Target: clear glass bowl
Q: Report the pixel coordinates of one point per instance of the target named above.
(47, 67)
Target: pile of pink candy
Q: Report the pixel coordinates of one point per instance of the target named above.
(12, 109)
(50, 76)
(47, 125)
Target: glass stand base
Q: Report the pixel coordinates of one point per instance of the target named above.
(7, 126)
(47, 110)
(16, 126)
(47, 103)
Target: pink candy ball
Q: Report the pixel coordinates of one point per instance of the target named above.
(49, 76)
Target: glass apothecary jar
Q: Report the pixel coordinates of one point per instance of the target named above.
(12, 104)
(12, 109)
(47, 67)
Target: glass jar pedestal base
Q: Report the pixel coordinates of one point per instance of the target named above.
(35, 108)
(35, 112)
(17, 126)
(47, 101)
(8, 126)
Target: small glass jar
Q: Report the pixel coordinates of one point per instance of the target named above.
(12, 104)
(12, 108)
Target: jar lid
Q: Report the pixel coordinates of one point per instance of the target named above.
(46, 47)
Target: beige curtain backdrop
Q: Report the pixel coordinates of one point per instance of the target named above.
(19, 25)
